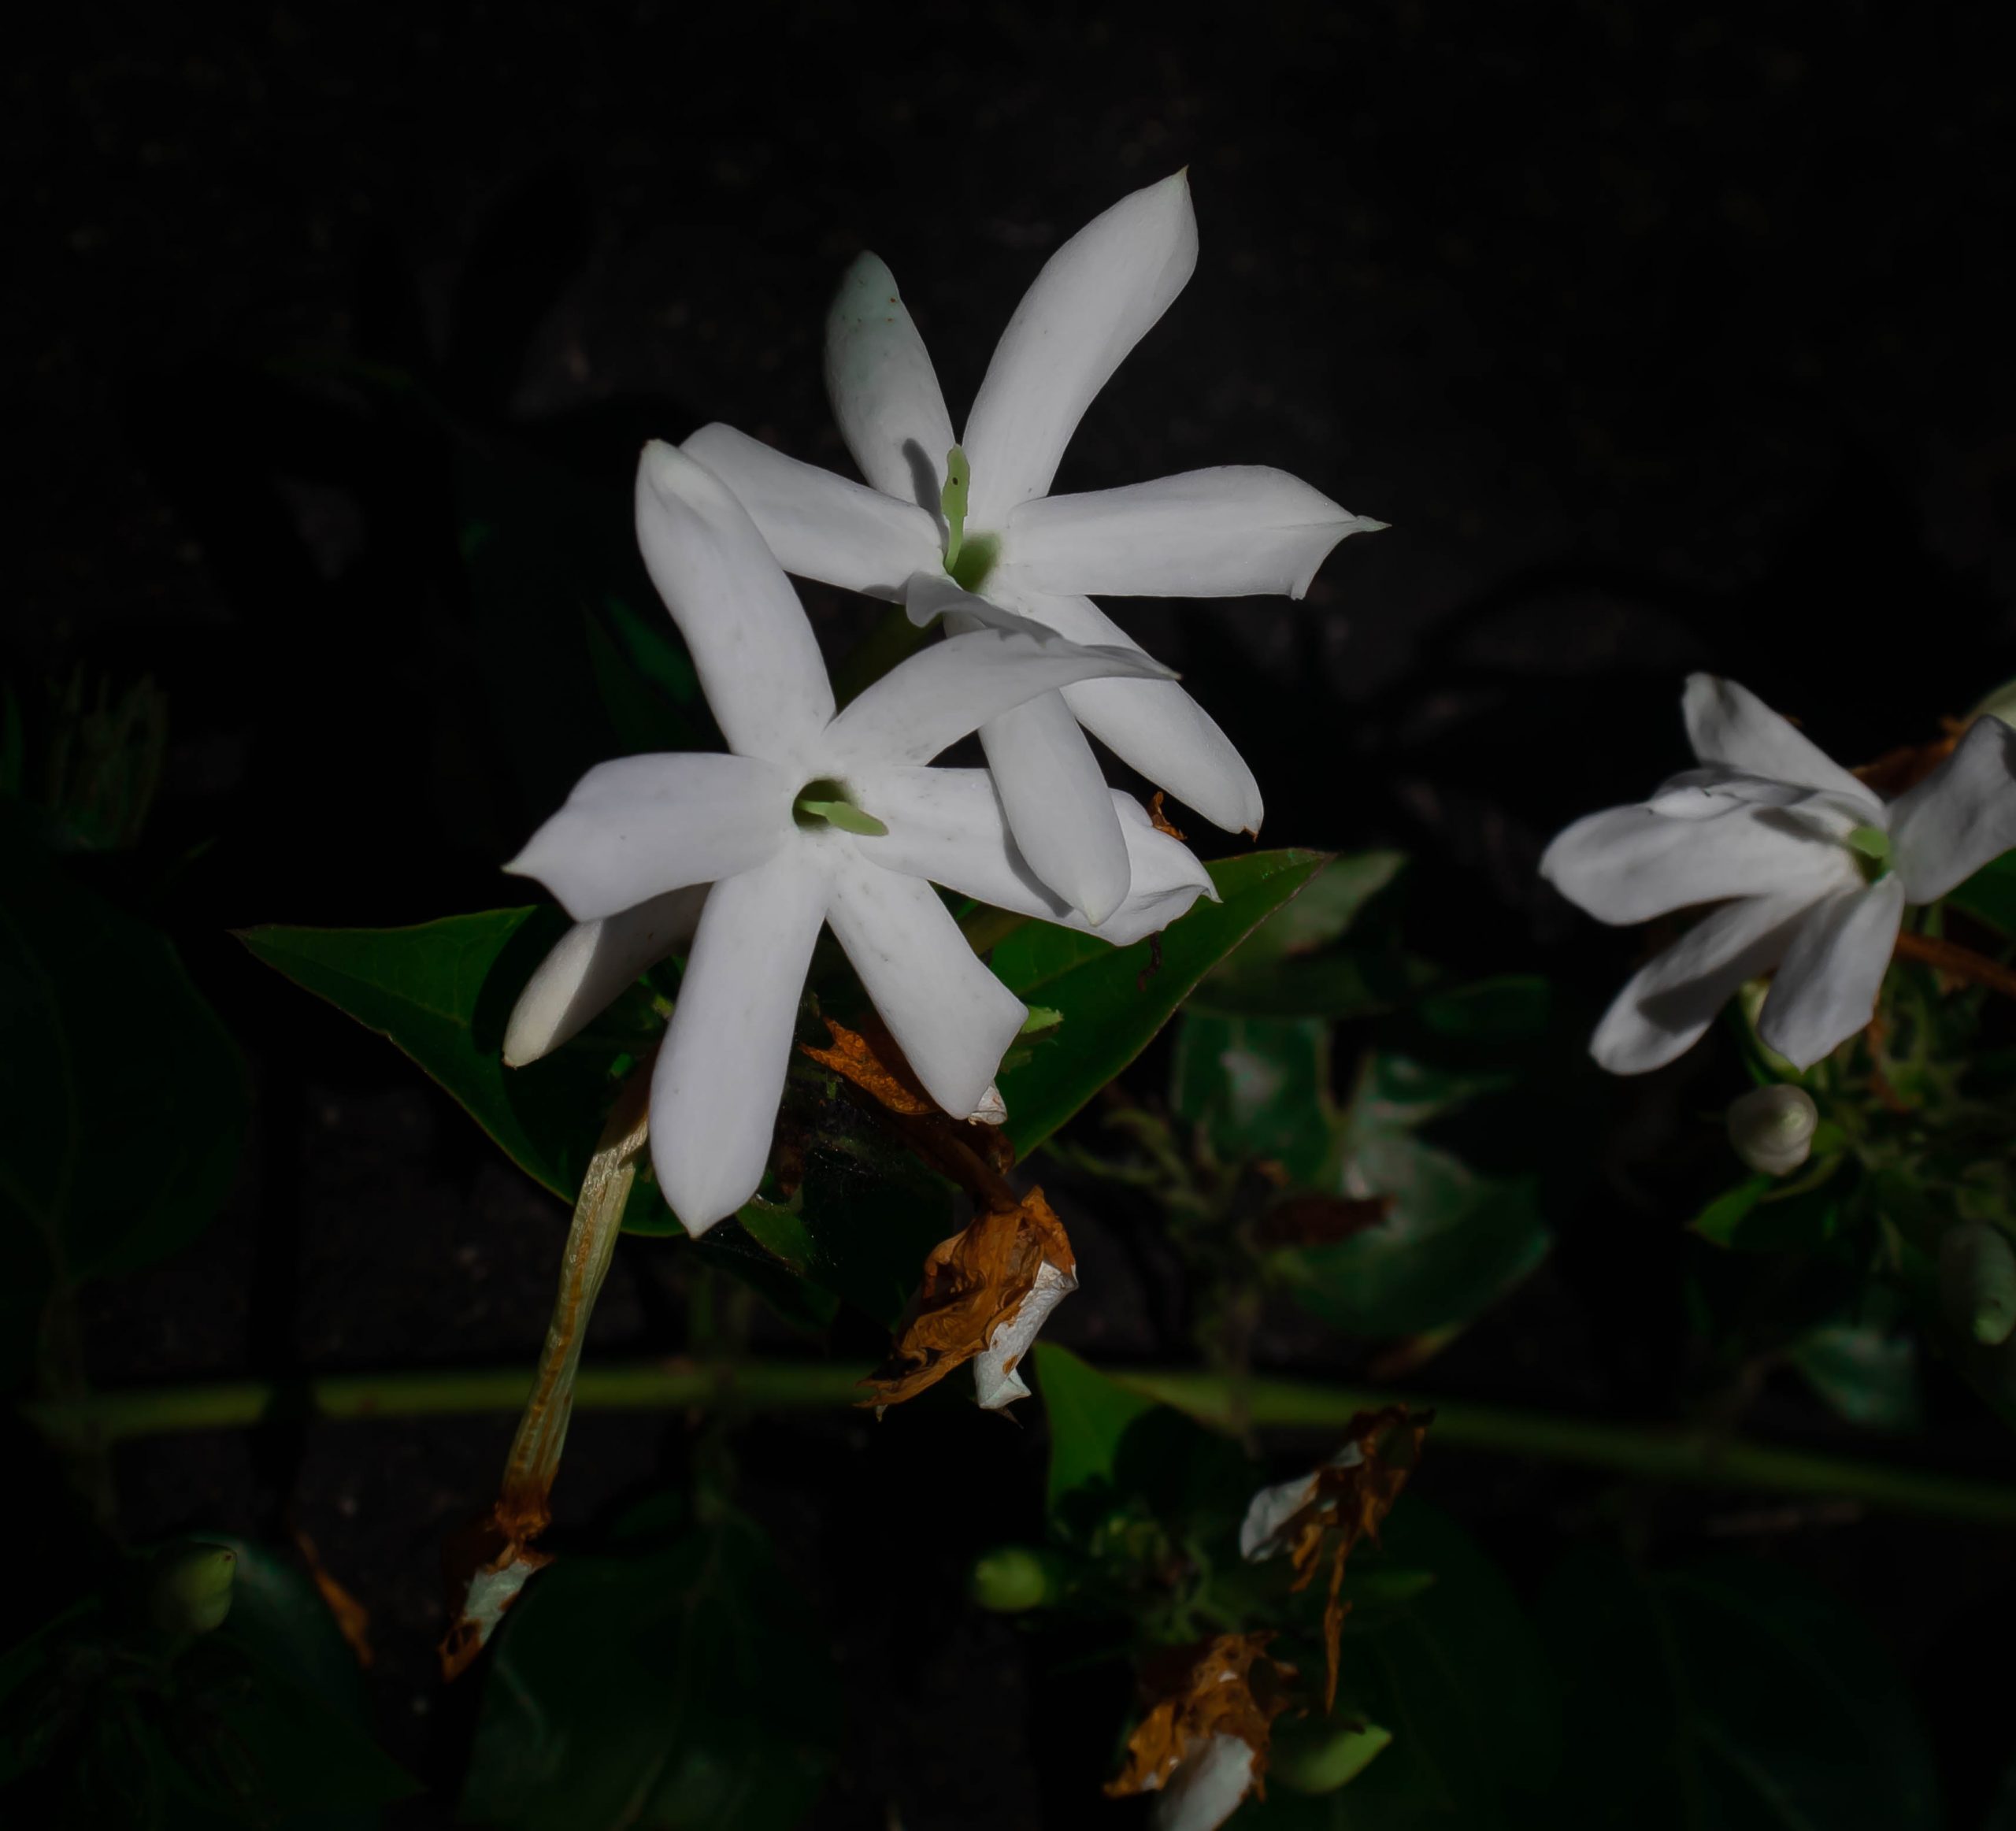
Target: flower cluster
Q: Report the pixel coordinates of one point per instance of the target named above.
(820, 816)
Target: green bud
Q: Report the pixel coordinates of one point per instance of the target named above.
(1011, 1578)
(1318, 1756)
(1977, 1281)
(1771, 1128)
(189, 1588)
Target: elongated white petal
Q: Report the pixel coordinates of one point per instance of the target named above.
(821, 526)
(1826, 990)
(947, 825)
(1713, 790)
(1270, 1509)
(950, 1016)
(996, 1381)
(751, 645)
(1153, 726)
(1229, 532)
(1096, 298)
(721, 1074)
(1629, 864)
(1058, 805)
(1206, 1787)
(1728, 724)
(1960, 816)
(640, 826)
(591, 966)
(953, 687)
(884, 391)
(1667, 1006)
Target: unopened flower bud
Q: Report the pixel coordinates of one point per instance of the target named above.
(1011, 1578)
(1771, 1128)
(189, 1588)
(1977, 1281)
(1320, 1756)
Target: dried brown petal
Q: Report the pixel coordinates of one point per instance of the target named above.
(1230, 1686)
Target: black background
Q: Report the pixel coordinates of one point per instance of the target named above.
(1664, 337)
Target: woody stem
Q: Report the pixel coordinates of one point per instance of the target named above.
(1962, 962)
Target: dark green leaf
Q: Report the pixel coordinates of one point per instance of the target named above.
(1733, 1694)
(1114, 999)
(122, 1099)
(1865, 1371)
(1990, 894)
(683, 1689)
(1088, 1414)
(1756, 1217)
(1322, 913)
(1257, 1088)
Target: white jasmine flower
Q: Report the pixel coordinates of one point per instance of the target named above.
(981, 514)
(1810, 871)
(812, 817)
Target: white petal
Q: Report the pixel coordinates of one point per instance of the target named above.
(1629, 864)
(1206, 1787)
(1269, 1510)
(751, 645)
(996, 1381)
(1096, 298)
(1728, 724)
(640, 826)
(714, 1094)
(1960, 816)
(821, 526)
(884, 391)
(992, 1111)
(1667, 1007)
(1224, 533)
(593, 964)
(1826, 990)
(937, 696)
(950, 1016)
(1152, 726)
(1714, 789)
(947, 825)
(1057, 804)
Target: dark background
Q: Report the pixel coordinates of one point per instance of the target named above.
(1664, 337)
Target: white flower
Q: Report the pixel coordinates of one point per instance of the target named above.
(1206, 1787)
(1810, 871)
(1222, 532)
(812, 817)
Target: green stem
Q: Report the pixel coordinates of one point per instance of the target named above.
(1649, 1452)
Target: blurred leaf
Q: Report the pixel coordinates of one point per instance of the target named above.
(1114, 999)
(1452, 1240)
(1730, 1694)
(1320, 915)
(1753, 1218)
(1866, 1372)
(1513, 1008)
(1088, 1414)
(686, 1688)
(1460, 1676)
(122, 1098)
(1257, 1088)
(1990, 894)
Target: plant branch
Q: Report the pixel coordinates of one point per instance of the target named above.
(1649, 1452)
(1961, 962)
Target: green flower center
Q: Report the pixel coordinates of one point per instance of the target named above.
(826, 802)
(1874, 843)
(967, 562)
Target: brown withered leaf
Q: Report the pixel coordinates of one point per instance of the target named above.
(353, 1618)
(1229, 1686)
(1161, 821)
(975, 1155)
(1346, 1504)
(1314, 1220)
(973, 1284)
(882, 1073)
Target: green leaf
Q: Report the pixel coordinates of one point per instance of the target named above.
(1459, 1675)
(1758, 1215)
(1258, 1087)
(1865, 1371)
(1990, 894)
(1322, 913)
(122, 1098)
(1737, 1694)
(1088, 1414)
(1114, 999)
(686, 1689)
(442, 991)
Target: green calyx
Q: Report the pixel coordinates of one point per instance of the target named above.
(189, 1588)
(1874, 843)
(828, 803)
(967, 562)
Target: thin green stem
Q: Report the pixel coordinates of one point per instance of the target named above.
(1647, 1452)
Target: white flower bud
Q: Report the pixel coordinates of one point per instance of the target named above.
(1977, 1281)
(1771, 1128)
